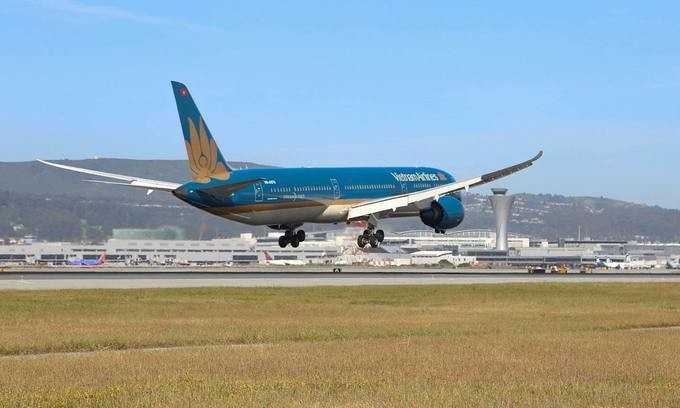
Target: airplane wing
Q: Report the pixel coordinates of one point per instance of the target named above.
(123, 180)
(393, 202)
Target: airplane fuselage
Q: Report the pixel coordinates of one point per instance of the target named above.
(81, 262)
(314, 195)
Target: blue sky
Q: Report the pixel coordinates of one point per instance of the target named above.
(465, 86)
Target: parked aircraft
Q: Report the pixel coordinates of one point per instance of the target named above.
(671, 264)
(627, 264)
(286, 198)
(89, 262)
(269, 260)
(608, 264)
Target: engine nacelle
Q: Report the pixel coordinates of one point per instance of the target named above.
(447, 212)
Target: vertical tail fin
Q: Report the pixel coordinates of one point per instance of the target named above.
(102, 258)
(205, 159)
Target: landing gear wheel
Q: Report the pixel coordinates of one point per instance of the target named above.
(300, 234)
(380, 235)
(367, 233)
(295, 242)
(361, 241)
(373, 240)
(283, 242)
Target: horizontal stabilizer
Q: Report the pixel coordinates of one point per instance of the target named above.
(226, 190)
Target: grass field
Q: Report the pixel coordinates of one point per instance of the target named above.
(492, 345)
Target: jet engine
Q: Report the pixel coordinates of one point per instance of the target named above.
(445, 213)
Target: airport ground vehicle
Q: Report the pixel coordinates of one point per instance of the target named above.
(560, 269)
(536, 269)
(585, 269)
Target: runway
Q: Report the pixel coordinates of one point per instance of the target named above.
(24, 280)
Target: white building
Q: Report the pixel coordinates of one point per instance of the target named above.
(462, 240)
(435, 257)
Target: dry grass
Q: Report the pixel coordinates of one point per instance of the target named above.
(528, 345)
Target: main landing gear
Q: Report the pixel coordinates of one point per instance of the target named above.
(370, 238)
(292, 237)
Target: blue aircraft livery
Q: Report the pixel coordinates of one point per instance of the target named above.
(89, 262)
(286, 198)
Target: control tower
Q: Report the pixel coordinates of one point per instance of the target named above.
(501, 205)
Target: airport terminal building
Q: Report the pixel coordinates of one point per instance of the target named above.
(473, 247)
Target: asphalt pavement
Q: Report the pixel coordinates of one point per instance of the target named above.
(288, 277)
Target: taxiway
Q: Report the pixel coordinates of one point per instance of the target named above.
(26, 280)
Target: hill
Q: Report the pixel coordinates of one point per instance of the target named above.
(56, 205)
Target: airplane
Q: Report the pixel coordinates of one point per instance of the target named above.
(628, 264)
(88, 262)
(608, 264)
(269, 260)
(670, 264)
(286, 198)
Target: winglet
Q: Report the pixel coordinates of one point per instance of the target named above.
(488, 177)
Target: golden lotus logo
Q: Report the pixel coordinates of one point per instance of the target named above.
(202, 152)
